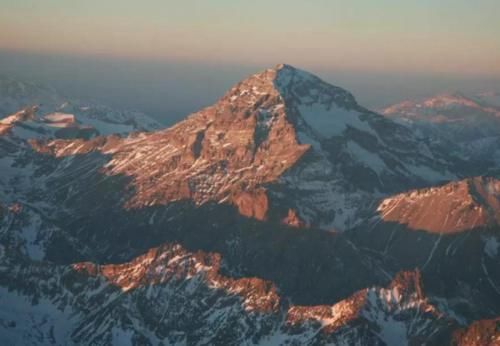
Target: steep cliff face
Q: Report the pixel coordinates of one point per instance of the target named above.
(179, 296)
(387, 310)
(224, 152)
(451, 233)
(454, 207)
(278, 215)
(281, 139)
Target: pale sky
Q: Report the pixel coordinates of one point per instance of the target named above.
(455, 37)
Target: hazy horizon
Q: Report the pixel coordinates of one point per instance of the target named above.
(280, 211)
(170, 90)
(169, 59)
(449, 36)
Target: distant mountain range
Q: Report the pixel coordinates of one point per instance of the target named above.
(285, 213)
(469, 124)
(22, 103)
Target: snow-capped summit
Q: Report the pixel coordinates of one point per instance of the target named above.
(216, 230)
(444, 107)
(279, 133)
(467, 124)
(295, 83)
(311, 102)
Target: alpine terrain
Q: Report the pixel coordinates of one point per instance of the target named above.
(284, 214)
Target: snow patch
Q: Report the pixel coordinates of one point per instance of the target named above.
(368, 158)
(491, 246)
(331, 121)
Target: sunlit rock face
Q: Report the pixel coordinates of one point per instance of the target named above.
(483, 332)
(175, 295)
(281, 139)
(467, 125)
(457, 206)
(285, 213)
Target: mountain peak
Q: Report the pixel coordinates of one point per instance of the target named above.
(283, 66)
(283, 70)
(445, 107)
(258, 134)
(292, 87)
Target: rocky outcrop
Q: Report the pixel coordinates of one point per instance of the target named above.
(292, 219)
(173, 263)
(284, 131)
(367, 316)
(387, 309)
(188, 235)
(253, 204)
(451, 208)
(479, 333)
(7, 123)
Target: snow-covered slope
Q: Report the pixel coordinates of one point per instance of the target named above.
(213, 231)
(469, 125)
(277, 134)
(16, 96)
(174, 296)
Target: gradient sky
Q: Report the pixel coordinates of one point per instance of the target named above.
(455, 37)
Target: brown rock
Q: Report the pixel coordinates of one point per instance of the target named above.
(451, 208)
(292, 219)
(479, 333)
(252, 203)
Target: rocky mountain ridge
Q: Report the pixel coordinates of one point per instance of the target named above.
(194, 303)
(466, 124)
(285, 213)
(56, 116)
(264, 141)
